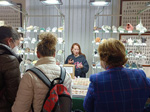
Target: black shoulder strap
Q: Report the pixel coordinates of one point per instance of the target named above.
(41, 75)
(44, 78)
(62, 75)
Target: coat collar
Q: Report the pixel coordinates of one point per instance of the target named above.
(108, 68)
(4, 49)
(46, 60)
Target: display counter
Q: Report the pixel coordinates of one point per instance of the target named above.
(80, 86)
(77, 103)
(79, 90)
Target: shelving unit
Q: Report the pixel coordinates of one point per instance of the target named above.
(132, 58)
(32, 38)
(137, 50)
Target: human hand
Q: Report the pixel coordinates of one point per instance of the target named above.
(70, 61)
(80, 65)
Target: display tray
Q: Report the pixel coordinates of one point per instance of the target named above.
(79, 92)
(81, 81)
(80, 87)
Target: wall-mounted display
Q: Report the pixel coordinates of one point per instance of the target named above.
(137, 49)
(11, 17)
(131, 8)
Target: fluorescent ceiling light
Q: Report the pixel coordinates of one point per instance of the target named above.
(148, 4)
(51, 2)
(5, 3)
(100, 2)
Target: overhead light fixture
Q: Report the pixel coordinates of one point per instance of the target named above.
(100, 2)
(6, 3)
(148, 4)
(51, 2)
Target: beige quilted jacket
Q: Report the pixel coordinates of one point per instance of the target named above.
(32, 89)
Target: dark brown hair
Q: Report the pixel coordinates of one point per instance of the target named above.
(8, 32)
(80, 53)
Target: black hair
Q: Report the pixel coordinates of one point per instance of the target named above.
(8, 32)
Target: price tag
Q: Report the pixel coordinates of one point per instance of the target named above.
(144, 44)
(28, 30)
(141, 31)
(121, 31)
(42, 31)
(94, 66)
(47, 30)
(19, 30)
(106, 31)
(96, 31)
(97, 43)
(129, 31)
(26, 42)
(114, 31)
(31, 53)
(136, 44)
(35, 30)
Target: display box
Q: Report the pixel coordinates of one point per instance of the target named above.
(146, 69)
(70, 68)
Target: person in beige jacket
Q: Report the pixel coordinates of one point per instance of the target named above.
(31, 89)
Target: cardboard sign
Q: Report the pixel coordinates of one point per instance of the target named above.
(70, 68)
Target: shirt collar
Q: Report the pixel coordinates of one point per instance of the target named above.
(108, 67)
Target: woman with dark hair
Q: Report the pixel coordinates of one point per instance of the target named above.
(79, 60)
(9, 67)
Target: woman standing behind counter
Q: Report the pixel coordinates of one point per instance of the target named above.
(79, 60)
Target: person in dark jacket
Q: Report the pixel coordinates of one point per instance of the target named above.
(117, 89)
(9, 67)
(79, 60)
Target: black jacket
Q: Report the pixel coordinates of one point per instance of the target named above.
(77, 60)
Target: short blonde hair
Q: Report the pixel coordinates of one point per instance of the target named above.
(46, 47)
(112, 52)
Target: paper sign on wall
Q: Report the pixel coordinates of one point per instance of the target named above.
(2, 23)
